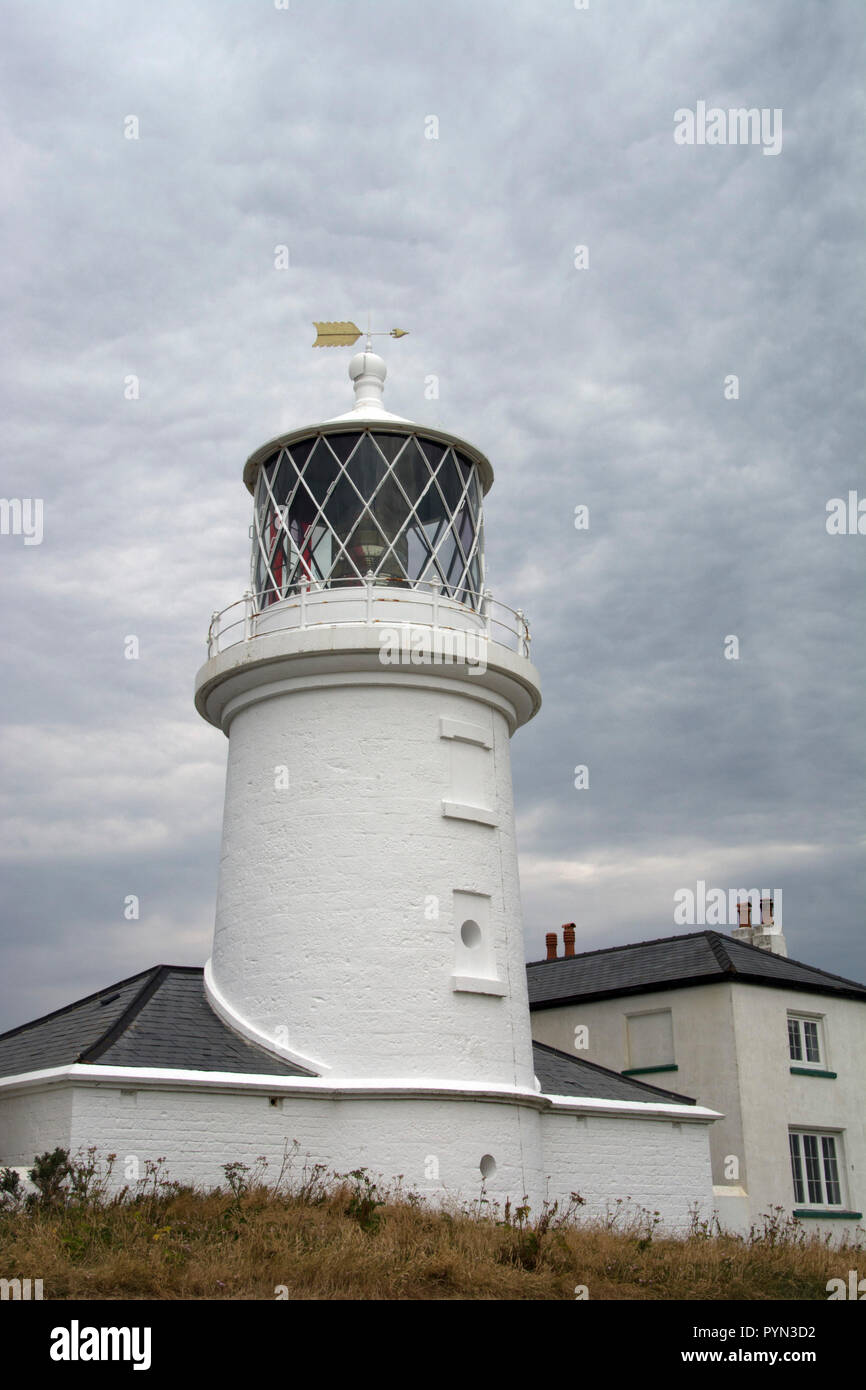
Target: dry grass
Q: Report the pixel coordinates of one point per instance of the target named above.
(330, 1236)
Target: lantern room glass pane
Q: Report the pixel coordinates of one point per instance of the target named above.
(283, 476)
(342, 507)
(343, 444)
(449, 482)
(418, 552)
(321, 471)
(464, 529)
(390, 445)
(433, 451)
(473, 583)
(463, 464)
(300, 452)
(412, 471)
(367, 467)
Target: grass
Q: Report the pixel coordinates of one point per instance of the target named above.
(312, 1234)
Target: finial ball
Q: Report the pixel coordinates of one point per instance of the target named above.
(367, 364)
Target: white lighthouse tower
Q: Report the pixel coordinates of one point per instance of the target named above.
(368, 917)
(368, 921)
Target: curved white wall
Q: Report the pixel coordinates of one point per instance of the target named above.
(544, 1149)
(341, 896)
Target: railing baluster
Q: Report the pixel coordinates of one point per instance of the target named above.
(368, 585)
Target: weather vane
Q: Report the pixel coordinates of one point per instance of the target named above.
(346, 334)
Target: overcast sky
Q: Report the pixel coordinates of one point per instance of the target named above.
(602, 385)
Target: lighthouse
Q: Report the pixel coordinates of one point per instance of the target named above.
(368, 920)
(365, 1002)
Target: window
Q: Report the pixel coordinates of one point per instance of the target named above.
(650, 1039)
(815, 1169)
(804, 1040)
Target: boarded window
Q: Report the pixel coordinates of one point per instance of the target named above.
(650, 1039)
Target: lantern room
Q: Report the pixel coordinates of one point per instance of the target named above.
(368, 496)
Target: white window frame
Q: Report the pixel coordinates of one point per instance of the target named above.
(820, 1063)
(807, 1180)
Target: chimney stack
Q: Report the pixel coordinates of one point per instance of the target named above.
(762, 933)
(568, 937)
(551, 945)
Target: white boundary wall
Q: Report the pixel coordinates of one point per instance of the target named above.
(656, 1155)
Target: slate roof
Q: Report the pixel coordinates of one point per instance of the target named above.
(563, 1075)
(160, 1018)
(674, 962)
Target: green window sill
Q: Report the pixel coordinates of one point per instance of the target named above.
(813, 1071)
(644, 1071)
(827, 1215)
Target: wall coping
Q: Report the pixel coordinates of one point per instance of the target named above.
(80, 1074)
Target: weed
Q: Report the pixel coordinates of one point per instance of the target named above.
(297, 1224)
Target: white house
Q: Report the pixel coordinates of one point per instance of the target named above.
(775, 1045)
(366, 994)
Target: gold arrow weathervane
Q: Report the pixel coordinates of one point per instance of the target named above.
(346, 334)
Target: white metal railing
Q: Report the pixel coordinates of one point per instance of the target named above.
(307, 603)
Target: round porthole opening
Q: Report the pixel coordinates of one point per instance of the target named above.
(470, 934)
(487, 1166)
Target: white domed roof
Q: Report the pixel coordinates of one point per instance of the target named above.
(367, 371)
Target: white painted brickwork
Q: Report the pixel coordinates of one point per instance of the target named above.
(32, 1123)
(660, 1166)
(539, 1154)
(335, 930)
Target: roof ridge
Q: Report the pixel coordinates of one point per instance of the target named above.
(716, 944)
(156, 977)
(624, 946)
(804, 965)
(608, 1071)
(76, 1003)
(180, 969)
(253, 1044)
